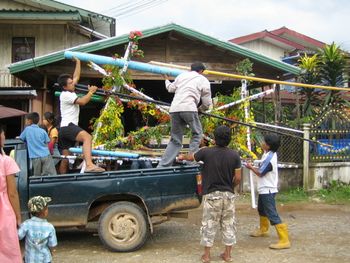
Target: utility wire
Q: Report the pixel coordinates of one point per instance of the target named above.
(131, 9)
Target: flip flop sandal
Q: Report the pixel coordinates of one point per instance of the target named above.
(95, 169)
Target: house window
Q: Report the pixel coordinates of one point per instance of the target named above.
(23, 48)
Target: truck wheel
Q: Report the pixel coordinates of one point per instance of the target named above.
(123, 227)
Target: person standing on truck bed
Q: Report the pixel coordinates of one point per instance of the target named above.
(37, 141)
(190, 88)
(221, 172)
(70, 132)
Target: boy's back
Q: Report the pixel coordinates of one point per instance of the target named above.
(40, 236)
(37, 140)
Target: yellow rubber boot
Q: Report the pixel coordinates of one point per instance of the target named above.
(263, 231)
(283, 242)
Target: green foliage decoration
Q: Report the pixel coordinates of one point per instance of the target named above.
(108, 127)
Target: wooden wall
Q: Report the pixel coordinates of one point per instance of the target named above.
(173, 47)
(48, 38)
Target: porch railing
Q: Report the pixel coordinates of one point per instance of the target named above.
(8, 80)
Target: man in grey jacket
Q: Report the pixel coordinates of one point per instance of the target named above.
(190, 88)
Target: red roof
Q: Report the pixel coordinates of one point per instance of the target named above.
(280, 35)
(286, 31)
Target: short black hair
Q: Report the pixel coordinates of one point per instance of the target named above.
(50, 117)
(222, 135)
(273, 141)
(62, 80)
(197, 66)
(33, 116)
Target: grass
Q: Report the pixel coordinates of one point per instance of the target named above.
(336, 193)
(292, 196)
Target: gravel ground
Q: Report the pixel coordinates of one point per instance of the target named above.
(318, 232)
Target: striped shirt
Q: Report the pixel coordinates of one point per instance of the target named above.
(39, 235)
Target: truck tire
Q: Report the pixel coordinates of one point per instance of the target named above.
(123, 227)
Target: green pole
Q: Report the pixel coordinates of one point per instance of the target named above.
(94, 98)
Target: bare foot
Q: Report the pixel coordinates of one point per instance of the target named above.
(225, 258)
(205, 259)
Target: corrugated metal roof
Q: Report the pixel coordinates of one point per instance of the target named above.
(113, 41)
(66, 7)
(15, 14)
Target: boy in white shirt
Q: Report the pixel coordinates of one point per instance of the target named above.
(267, 187)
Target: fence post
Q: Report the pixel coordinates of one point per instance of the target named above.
(306, 156)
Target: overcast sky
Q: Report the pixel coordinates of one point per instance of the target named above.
(324, 20)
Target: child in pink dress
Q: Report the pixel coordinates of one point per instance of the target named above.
(10, 215)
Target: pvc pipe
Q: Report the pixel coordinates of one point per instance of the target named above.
(244, 93)
(121, 62)
(94, 98)
(105, 153)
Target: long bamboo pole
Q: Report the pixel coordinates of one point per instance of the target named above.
(271, 81)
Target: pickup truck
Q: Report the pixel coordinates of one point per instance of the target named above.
(125, 203)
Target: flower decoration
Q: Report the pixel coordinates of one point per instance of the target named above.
(134, 38)
(108, 126)
(149, 110)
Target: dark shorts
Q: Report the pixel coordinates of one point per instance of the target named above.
(67, 136)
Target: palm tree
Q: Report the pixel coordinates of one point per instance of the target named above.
(311, 75)
(332, 70)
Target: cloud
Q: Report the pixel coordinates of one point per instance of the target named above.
(323, 20)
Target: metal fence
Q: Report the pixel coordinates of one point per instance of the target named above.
(291, 148)
(333, 130)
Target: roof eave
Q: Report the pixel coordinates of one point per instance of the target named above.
(66, 7)
(106, 43)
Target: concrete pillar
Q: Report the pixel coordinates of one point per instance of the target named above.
(306, 156)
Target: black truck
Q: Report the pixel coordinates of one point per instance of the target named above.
(125, 203)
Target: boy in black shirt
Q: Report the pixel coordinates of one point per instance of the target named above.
(221, 172)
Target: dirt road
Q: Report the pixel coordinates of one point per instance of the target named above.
(318, 232)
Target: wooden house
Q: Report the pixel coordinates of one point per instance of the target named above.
(282, 44)
(171, 43)
(33, 28)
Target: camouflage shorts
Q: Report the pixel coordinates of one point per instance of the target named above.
(218, 209)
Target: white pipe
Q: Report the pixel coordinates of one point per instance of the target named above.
(249, 146)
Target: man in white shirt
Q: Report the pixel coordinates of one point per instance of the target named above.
(70, 132)
(190, 88)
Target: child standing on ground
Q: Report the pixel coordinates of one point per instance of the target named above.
(37, 140)
(267, 187)
(39, 234)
